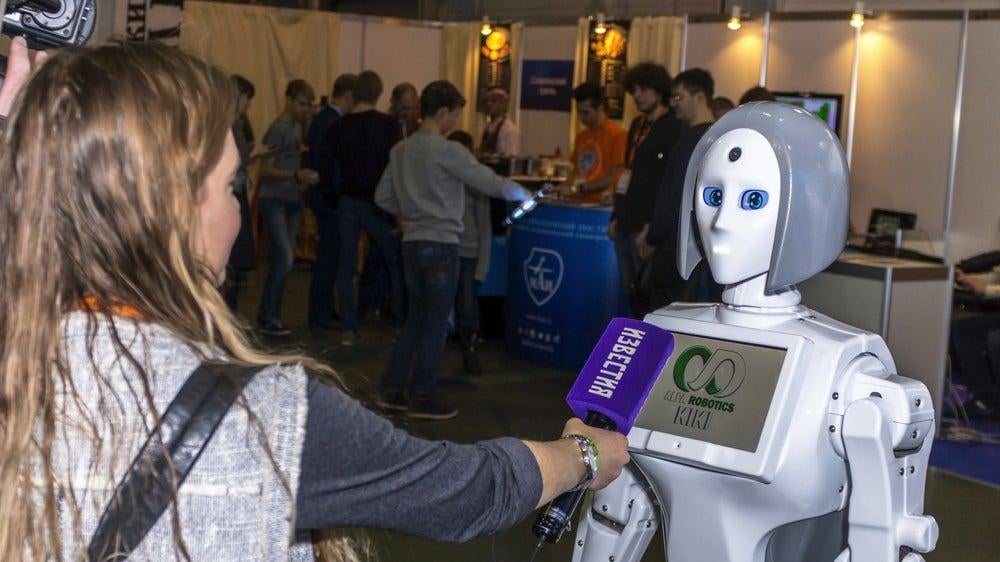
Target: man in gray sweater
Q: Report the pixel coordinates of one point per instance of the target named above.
(424, 188)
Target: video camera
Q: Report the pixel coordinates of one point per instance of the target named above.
(48, 24)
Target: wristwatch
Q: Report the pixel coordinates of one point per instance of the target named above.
(589, 455)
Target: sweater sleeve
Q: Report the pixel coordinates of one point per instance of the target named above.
(385, 192)
(359, 470)
(463, 165)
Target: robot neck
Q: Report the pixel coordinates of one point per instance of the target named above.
(750, 296)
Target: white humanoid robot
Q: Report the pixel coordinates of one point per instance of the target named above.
(774, 433)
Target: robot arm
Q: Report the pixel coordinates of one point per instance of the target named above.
(618, 522)
(885, 422)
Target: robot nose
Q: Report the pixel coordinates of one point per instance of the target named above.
(724, 218)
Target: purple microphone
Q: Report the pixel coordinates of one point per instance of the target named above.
(608, 393)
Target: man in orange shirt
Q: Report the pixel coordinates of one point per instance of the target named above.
(598, 151)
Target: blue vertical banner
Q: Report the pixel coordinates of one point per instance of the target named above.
(547, 84)
(563, 285)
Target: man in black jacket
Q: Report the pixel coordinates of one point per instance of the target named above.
(651, 138)
(691, 97)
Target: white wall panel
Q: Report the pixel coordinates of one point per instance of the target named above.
(401, 53)
(543, 131)
(976, 205)
(350, 46)
(733, 57)
(813, 56)
(902, 138)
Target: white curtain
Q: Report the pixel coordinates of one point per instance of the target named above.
(268, 46)
(460, 66)
(654, 39)
(580, 56)
(517, 57)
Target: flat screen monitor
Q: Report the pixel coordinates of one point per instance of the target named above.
(825, 106)
(714, 390)
(882, 227)
(885, 222)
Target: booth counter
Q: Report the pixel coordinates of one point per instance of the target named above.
(906, 302)
(563, 284)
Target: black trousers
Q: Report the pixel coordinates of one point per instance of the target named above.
(975, 347)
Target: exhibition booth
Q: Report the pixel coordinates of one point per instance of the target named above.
(908, 94)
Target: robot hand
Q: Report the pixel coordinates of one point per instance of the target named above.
(618, 522)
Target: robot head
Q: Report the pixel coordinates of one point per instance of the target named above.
(768, 190)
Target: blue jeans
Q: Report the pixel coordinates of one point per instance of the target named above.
(373, 285)
(431, 272)
(467, 301)
(324, 272)
(353, 215)
(281, 218)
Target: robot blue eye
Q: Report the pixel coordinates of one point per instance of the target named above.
(753, 199)
(712, 196)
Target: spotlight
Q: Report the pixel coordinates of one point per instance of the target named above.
(601, 28)
(735, 22)
(486, 29)
(858, 17)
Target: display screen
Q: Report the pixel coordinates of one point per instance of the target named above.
(714, 390)
(825, 106)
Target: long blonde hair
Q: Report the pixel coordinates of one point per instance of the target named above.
(102, 165)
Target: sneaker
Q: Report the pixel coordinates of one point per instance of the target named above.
(392, 401)
(350, 339)
(273, 328)
(977, 408)
(428, 409)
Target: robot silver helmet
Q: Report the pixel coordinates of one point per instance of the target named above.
(815, 191)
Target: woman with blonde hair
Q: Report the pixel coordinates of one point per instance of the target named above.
(116, 221)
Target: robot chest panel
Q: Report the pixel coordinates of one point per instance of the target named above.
(733, 399)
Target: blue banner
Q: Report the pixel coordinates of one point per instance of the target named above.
(563, 285)
(547, 84)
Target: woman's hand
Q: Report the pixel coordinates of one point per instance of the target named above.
(612, 447)
(19, 67)
(561, 464)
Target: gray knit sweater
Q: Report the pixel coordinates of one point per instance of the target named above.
(424, 186)
(234, 504)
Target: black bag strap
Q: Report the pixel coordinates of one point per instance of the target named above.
(147, 488)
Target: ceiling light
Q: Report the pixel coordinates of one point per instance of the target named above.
(601, 28)
(858, 16)
(735, 22)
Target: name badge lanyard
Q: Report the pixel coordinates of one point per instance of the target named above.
(638, 139)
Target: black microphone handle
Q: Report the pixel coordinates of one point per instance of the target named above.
(554, 520)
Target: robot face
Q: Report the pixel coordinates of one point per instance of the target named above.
(736, 204)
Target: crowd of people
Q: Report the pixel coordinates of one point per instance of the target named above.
(423, 206)
(395, 178)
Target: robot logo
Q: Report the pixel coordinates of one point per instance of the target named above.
(543, 272)
(722, 373)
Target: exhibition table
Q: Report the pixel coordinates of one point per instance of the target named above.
(563, 284)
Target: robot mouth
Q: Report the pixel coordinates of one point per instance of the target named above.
(721, 250)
